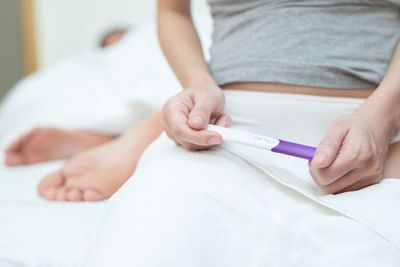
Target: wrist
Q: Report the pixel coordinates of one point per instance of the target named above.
(201, 79)
(385, 101)
(384, 120)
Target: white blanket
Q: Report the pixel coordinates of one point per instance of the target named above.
(105, 91)
(239, 206)
(222, 212)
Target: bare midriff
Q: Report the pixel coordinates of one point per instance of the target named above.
(294, 89)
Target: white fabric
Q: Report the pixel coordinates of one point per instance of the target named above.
(215, 208)
(241, 206)
(34, 232)
(106, 87)
(105, 91)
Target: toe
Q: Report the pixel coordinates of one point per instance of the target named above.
(61, 194)
(53, 180)
(80, 182)
(13, 147)
(74, 195)
(93, 195)
(17, 144)
(50, 194)
(13, 159)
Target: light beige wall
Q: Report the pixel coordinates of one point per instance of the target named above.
(11, 52)
(66, 28)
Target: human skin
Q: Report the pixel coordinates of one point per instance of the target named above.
(354, 150)
(353, 153)
(98, 173)
(42, 144)
(97, 165)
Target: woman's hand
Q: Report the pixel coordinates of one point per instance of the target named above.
(352, 153)
(187, 114)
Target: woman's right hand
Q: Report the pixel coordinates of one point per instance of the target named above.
(187, 114)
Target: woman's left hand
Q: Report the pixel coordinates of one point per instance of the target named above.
(351, 155)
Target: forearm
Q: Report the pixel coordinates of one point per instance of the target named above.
(142, 134)
(384, 103)
(180, 43)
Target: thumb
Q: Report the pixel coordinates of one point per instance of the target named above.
(199, 116)
(329, 147)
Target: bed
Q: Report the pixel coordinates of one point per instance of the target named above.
(106, 91)
(103, 91)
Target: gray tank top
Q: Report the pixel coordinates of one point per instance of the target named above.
(322, 43)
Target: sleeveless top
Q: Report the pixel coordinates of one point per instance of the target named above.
(321, 43)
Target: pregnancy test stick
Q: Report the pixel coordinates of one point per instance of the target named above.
(265, 142)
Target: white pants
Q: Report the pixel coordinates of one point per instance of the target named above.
(239, 206)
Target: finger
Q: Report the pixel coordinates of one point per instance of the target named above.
(343, 165)
(352, 178)
(200, 114)
(176, 117)
(193, 147)
(175, 113)
(329, 146)
(203, 138)
(14, 159)
(224, 121)
(74, 195)
(361, 184)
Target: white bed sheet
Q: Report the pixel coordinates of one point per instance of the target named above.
(34, 232)
(104, 91)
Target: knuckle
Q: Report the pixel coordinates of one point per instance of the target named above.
(201, 110)
(376, 167)
(353, 156)
(327, 143)
(366, 156)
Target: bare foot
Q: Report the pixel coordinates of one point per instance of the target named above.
(43, 144)
(93, 175)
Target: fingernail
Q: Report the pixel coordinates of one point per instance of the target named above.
(320, 157)
(214, 141)
(198, 120)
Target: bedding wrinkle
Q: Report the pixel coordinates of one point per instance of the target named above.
(241, 206)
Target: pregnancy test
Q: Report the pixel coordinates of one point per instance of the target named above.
(265, 142)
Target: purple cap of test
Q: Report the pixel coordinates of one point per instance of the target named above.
(294, 149)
